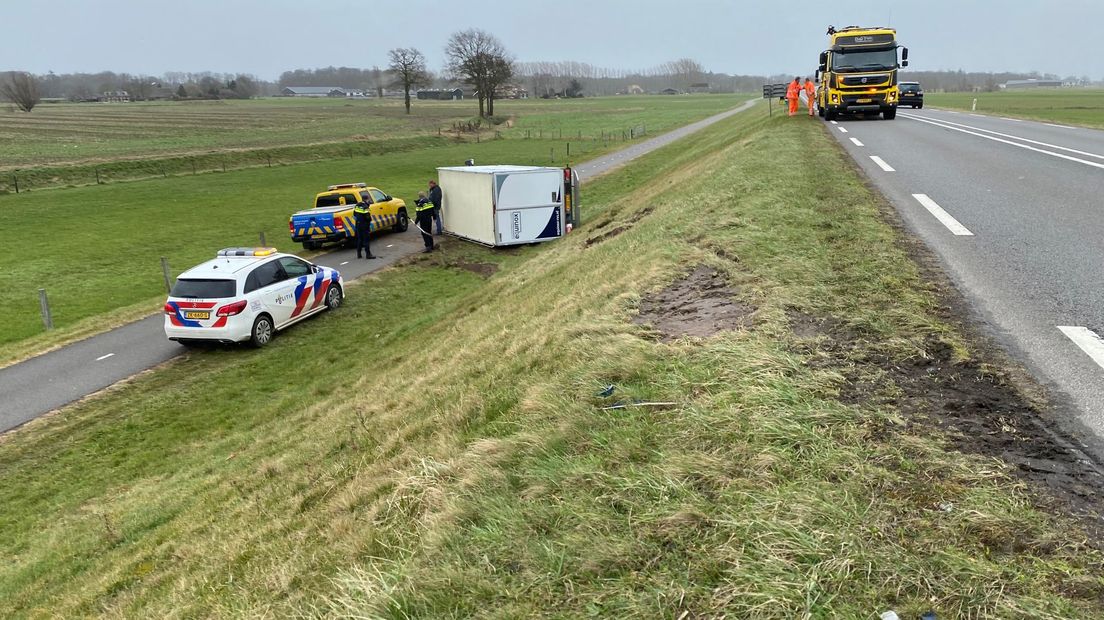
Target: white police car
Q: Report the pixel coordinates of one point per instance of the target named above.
(248, 294)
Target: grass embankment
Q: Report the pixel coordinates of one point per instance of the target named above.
(1074, 106)
(96, 233)
(84, 144)
(436, 448)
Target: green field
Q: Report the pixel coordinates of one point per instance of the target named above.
(1073, 106)
(437, 448)
(86, 237)
(77, 144)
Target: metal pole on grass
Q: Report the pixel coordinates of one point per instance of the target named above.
(47, 320)
(165, 273)
(263, 244)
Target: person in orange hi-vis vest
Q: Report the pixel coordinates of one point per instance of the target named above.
(793, 92)
(810, 94)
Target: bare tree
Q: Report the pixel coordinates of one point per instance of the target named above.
(21, 88)
(408, 65)
(479, 59)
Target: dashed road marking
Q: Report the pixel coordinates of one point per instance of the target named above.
(1062, 126)
(834, 122)
(344, 263)
(1014, 120)
(945, 218)
(842, 129)
(881, 163)
(856, 142)
(1087, 340)
(103, 357)
(391, 245)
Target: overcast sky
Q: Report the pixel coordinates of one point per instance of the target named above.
(267, 37)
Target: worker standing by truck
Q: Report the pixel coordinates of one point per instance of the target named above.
(363, 222)
(810, 94)
(793, 91)
(435, 198)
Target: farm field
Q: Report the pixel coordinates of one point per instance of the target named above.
(55, 134)
(105, 241)
(484, 472)
(1072, 106)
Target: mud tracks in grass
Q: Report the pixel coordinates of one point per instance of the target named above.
(699, 304)
(978, 410)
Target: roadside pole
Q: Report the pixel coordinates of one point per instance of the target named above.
(44, 303)
(165, 272)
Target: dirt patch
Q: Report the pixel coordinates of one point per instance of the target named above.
(613, 232)
(700, 304)
(483, 269)
(979, 411)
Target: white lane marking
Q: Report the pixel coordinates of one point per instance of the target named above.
(952, 224)
(1062, 126)
(947, 125)
(881, 164)
(103, 357)
(842, 129)
(1014, 137)
(834, 122)
(1087, 339)
(950, 111)
(1014, 120)
(345, 263)
(391, 245)
(981, 115)
(856, 142)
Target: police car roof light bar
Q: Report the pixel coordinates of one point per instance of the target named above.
(246, 251)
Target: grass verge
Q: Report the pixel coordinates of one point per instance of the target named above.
(438, 447)
(1084, 107)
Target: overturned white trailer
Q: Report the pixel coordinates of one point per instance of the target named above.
(507, 205)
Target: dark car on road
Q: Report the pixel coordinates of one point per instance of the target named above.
(911, 94)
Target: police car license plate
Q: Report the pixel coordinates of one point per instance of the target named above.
(863, 100)
(195, 315)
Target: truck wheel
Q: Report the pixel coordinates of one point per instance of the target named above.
(889, 113)
(921, 106)
(262, 331)
(311, 245)
(830, 114)
(403, 223)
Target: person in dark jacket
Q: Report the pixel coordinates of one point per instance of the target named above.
(435, 198)
(423, 219)
(363, 221)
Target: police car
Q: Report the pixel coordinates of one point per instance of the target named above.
(247, 294)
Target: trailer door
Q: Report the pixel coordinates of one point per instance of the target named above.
(528, 206)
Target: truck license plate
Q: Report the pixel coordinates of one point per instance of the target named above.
(194, 315)
(318, 236)
(864, 100)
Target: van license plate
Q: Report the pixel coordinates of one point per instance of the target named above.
(863, 100)
(193, 315)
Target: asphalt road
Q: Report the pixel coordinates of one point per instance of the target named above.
(1013, 210)
(52, 380)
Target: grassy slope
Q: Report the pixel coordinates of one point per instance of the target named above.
(440, 451)
(97, 232)
(1083, 107)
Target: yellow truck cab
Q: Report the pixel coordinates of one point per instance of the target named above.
(331, 219)
(858, 72)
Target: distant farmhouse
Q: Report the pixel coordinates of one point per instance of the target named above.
(114, 96)
(1018, 84)
(322, 91)
(670, 91)
(700, 87)
(446, 94)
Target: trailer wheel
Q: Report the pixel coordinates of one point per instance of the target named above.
(403, 223)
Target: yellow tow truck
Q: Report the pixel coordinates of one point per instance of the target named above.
(858, 72)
